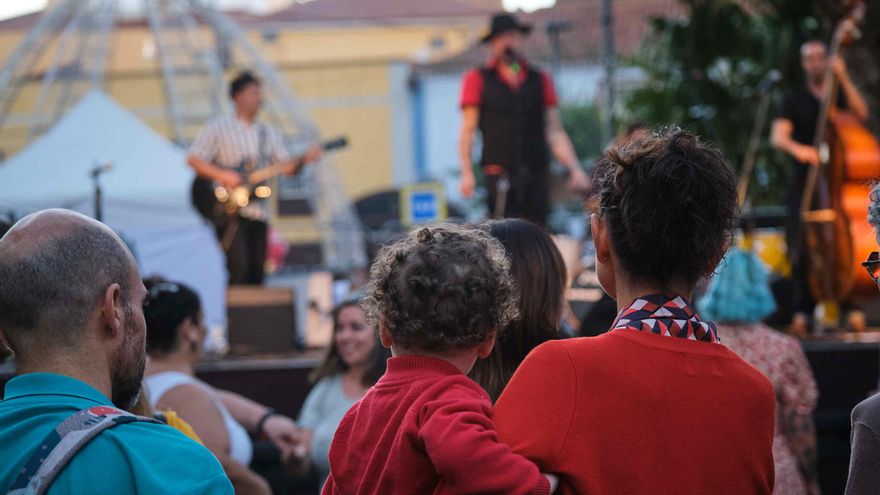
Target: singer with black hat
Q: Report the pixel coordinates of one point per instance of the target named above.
(514, 106)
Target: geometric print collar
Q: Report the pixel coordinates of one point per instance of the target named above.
(671, 316)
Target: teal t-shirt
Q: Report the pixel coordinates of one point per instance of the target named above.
(136, 458)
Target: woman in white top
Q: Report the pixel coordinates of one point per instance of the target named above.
(175, 336)
(354, 362)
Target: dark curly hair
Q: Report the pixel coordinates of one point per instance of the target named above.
(671, 205)
(442, 287)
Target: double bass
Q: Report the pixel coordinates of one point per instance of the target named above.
(835, 199)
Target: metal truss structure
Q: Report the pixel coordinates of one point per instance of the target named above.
(195, 45)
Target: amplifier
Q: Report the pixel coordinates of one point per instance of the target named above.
(261, 319)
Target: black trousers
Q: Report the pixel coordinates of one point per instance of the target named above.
(528, 197)
(795, 237)
(246, 256)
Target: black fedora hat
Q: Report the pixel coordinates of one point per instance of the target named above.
(501, 23)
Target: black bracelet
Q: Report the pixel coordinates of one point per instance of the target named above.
(262, 422)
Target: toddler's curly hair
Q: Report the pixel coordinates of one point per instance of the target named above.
(442, 287)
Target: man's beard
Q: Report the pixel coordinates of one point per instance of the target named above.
(127, 367)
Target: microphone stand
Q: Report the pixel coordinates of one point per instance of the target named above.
(96, 176)
(757, 129)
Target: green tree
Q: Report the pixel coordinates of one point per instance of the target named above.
(583, 124)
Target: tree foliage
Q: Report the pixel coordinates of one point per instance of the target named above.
(584, 127)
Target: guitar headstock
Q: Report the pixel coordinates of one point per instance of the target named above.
(335, 143)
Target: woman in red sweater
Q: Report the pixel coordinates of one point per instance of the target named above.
(656, 405)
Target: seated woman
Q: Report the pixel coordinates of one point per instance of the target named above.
(175, 336)
(738, 298)
(657, 404)
(354, 362)
(539, 272)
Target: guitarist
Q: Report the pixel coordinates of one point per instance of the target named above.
(224, 144)
(793, 132)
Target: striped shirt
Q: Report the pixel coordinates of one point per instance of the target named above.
(228, 141)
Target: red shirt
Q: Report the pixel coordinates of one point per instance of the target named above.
(472, 86)
(639, 413)
(425, 428)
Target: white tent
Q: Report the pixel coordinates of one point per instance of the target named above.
(145, 194)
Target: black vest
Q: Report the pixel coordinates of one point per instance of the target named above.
(512, 123)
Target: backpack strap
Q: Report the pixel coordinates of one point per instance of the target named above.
(63, 443)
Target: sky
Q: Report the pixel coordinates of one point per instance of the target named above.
(13, 8)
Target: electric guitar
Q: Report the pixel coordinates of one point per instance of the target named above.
(219, 203)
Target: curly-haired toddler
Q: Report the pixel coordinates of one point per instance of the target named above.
(437, 297)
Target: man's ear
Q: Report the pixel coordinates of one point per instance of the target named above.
(112, 315)
(385, 336)
(486, 347)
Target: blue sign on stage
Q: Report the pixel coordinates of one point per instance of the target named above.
(422, 203)
(424, 207)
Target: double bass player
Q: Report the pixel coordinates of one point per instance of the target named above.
(793, 131)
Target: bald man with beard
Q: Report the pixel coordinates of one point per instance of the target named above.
(71, 309)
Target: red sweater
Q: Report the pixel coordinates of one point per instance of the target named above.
(639, 413)
(425, 427)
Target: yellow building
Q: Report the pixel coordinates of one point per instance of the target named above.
(346, 61)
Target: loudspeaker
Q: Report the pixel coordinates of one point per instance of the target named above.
(261, 319)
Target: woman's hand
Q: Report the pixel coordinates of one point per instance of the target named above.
(295, 459)
(283, 432)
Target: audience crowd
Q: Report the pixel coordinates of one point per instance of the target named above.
(448, 373)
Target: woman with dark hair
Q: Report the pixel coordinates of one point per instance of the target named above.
(656, 404)
(539, 272)
(354, 362)
(175, 337)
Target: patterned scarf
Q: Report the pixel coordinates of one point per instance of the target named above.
(671, 316)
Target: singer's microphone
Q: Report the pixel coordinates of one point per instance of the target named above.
(511, 54)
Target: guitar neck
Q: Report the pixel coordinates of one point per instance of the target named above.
(829, 98)
(272, 171)
(293, 166)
